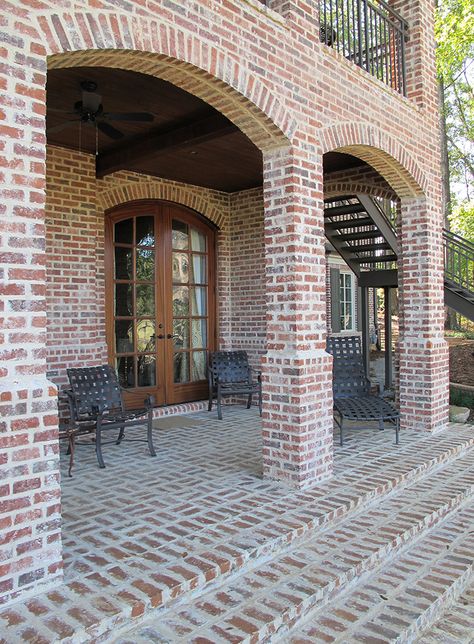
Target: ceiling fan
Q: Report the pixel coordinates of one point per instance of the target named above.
(90, 110)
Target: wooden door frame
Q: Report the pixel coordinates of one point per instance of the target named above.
(172, 393)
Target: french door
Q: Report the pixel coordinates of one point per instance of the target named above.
(160, 271)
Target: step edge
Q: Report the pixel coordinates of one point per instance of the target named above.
(260, 554)
(341, 584)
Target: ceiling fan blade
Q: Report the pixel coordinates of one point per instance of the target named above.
(91, 102)
(59, 128)
(109, 130)
(128, 116)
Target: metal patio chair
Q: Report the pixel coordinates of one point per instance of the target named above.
(95, 401)
(351, 388)
(230, 374)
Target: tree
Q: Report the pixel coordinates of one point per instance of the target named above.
(455, 60)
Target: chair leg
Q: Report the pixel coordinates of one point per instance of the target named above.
(209, 407)
(341, 435)
(249, 401)
(98, 443)
(151, 447)
(260, 401)
(381, 425)
(219, 403)
(397, 430)
(121, 435)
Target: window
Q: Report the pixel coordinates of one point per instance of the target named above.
(346, 294)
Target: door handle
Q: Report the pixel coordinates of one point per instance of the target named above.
(160, 337)
(169, 336)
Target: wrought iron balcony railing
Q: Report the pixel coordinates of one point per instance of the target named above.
(368, 33)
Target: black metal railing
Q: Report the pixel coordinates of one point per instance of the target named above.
(459, 261)
(370, 34)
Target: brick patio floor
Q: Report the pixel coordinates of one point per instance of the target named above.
(145, 531)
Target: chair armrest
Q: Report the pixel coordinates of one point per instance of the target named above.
(150, 402)
(257, 372)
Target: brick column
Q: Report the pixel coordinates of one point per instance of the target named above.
(423, 351)
(420, 52)
(297, 418)
(30, 521)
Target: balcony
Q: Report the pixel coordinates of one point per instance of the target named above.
(369, 34)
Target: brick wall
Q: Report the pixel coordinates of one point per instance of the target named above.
(265, 69)
(75, 285)
(247, 271)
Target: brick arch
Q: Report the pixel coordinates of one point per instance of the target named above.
(337, 188)
(132, 191)
(381, 151)
(143, 45)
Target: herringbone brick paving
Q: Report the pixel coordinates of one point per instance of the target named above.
(254, 606)
(147, 530)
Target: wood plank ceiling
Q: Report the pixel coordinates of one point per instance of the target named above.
(186, 141)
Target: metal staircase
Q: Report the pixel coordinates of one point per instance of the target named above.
(359, 229)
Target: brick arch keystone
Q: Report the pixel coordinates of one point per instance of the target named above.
(132, 191)
(150, 47)
(380, 150)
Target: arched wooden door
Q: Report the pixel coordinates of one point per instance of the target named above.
(160, 272)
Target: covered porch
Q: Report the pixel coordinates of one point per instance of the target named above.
(147, 533)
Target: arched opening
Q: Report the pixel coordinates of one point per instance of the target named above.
(161, 309)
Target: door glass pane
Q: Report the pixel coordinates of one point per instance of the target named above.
(123, 263)
(124, 336)
(145, 265)
(198, 240)
(198, 300)
(146, 371)
(125, 371)
(199, 269)
(181, 367)
(199, 334)
(145, 231)
(180, 235)
(180, 268)
(123, 232)
(198, 367)
(180, 301)
(145, 335)
(145, 299)
(181, 333)
(123, 299)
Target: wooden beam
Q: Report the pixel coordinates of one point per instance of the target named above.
(185, 135)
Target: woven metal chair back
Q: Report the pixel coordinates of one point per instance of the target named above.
(349, 377)
(230, 366)
(95, 387)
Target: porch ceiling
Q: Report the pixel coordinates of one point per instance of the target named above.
(187, 140)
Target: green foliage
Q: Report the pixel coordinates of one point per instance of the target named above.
(454, 29)
(462, 220)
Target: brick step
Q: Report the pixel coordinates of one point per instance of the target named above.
(241, 533)
(456, 623)
(402, 600)
(275, 592)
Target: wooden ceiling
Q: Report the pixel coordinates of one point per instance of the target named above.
(187, 140)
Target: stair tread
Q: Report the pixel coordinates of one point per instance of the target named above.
(352, 223)
(456, 624)
(311, 569)
(398, 599)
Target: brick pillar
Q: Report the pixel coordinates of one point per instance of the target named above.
(30, 547)
(420, 52)
(297, 418)
(423, 351)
